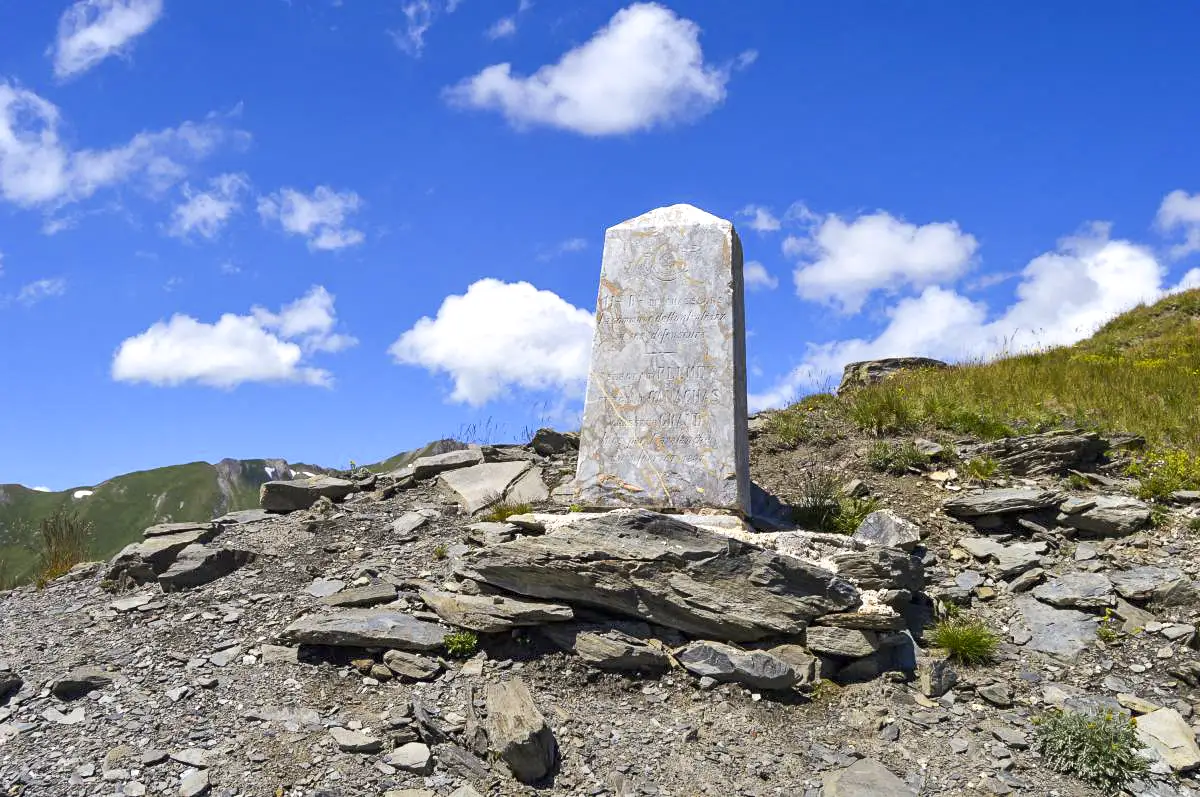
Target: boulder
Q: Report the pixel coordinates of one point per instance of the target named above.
(493, 613)
(480, 486)
(935, 676)
(165, 529)
(1077, 591)
(869, 372)
(80, 681)
(549, 443)
(411, 665)
(1049, 453)
(652, 566)
(350, 741)
(296, 494)
(846, 643)
(413, 757)
(529, 488)
(608, 648)
(880, 568)
(1060, 632)
(1168, 735)
(426, 467)
(1001, 501)
(756, 669)
(518, 733)
(199, 564)
(1167, 585)
(142, 562)
(365, 628)
(1107, 516)
(803, 663)
(886, 529)
(1010, 560)
(865, 778)
(406, 524)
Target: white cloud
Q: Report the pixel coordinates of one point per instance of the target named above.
(844, 262)
(757, 276)
(258, 347)
(761, 219)
(206, 212)
(502, 28)
(1063, 296)
(1180, 211)
(562, 248)
(419, 16)
(38, 169)
(92, 30)
(320, 216)
(34, 292)
(499, 336)
(1189, 281)
(644, 69)
(41, 489)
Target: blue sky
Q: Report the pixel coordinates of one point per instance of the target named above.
(329, 230)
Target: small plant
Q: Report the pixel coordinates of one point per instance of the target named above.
(851, 512)
(895, 458)
(503, 511)
(1101, 749)
(980, 469)
(575, 508)
(461, 644)
(1159, 516)
(63, 543)
(440, 551)
(1162, 473)
(823, 689)
(1105, 631)
(966, 640)
(818, 504)
(1078, 481)
(1194, 524)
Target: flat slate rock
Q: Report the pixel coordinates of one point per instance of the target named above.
(848, 643)
(425, 467)
(757, 669)
(490, 614)
(518, 733)
(1060, 632)
(409, 522)
(479, 486)
(243, 517)
(199, 564)
(1169, 736)
(1001, 501)
(366, 628)
(865, 778)
(1077, 591)
(324, 587)
(648, 565)
(296, 494)
(372, 594)
(80, 681)
(888, 530)
(162, 529)
(143, 561)
(1107, 516)
(607, 648)
(1150, 583)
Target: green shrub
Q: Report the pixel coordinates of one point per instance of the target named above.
(1078, 482)
(851, 512)
(440, 551)
(895, 458)
(62, 543)
(980, 469)
(461, 644)
(1163, 472)
(1100, 749)
(966, 640)
(503, 511)
(1194, 524)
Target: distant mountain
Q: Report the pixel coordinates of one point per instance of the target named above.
(121, 507)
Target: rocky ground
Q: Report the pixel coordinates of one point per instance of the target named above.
(303, 652)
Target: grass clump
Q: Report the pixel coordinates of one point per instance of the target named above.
(1194, 524)
(1161, 473)
(813, 419)
(63, 539)
(851, 512)
(895, 458)
(823, 507)
(980, 469)
(882, 409)
(503, 511)
(461, 644)
(966, 640)
(1100, 749)
(440, 551)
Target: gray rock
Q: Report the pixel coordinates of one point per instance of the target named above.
(194, 784)
(1048, 453)
(1077, 591)
(998, 694)
(489, 534)
(365, 628)
(290, 718)
(1010, 560)
(1168, 735)
(1027, 580)
(409, 522)
(1111, 516)
(413, 757)
(518, 732)
(888, 530)
(142, 562)
(969, 579)
(243, 517)
(493, 613)
(80, 681)
(935, 676)
(1001, 501)
(426, 467)
(1161, 584)
(412, 665)
(479, 486)
(370, 595)
(131, 602)
(192, 757)
(643, 564)
(869, 372)
(324, 587)
(549, 443)
(530, 488)
(754, 668)
(881, 618)
(199, 564)
(349, 741)
(608, 648)
(165, 529)
(842, 642)
(1060, 632)
(665, 419)
(10, 684)
(865, 778)
(296, 494)
(880, 568)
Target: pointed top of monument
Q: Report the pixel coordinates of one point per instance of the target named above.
(673, 216)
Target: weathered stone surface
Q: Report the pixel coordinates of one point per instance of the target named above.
(289, 717)
(349, 741)
(1109, 516)
(289, 496)
(324, 587)
(803, 663)
(665, 415)
(1049, 453)
(754, 668)
(10, 684)
(143, 561)
(80, 681)
(935, 676)
(865, 778)
(366, 628)
(643, 564)
(425, 467)
(549, 442)
(1161, 584)
(529, 488)
(518, 732)
(413, 757)
(880, 568)
(888, 530)
(480, 486)
(243, 517)
(1001, 501)
(879, 618)
(409, 522)
(194, 784)
(1011, 559)
(488, 534)
(608, 648)
(163, 529)
(1169, 736)
(199, 564)
(493, 613)
(370, 595)
(1059, 632)
(411, 665)
(868, 372)
(1077, 591)
(846, 643)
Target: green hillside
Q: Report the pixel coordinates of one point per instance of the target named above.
(120, 508)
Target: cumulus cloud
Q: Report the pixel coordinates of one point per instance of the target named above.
(562, 248)
(204, 213)
(757, 277)
(1180, 212)
(38, 169)
(843, 262)
(258, 347)
(761, 219)
(644, 69)
(499, 336)
(320, 216)
(92, 30)
(1063, 296)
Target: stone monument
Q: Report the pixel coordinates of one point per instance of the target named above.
(664, 423)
